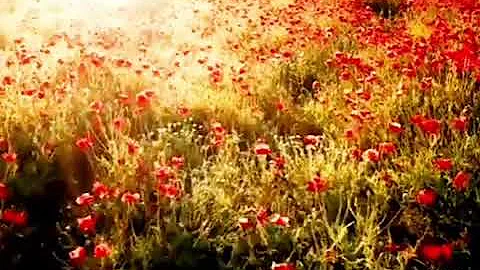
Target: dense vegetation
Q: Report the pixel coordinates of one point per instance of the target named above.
(284, 135)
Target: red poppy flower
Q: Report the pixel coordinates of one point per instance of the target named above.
(431, 126)
(78, 256)
(395, 127)
(245, 223)
(168, 190)
(426, 197)
(279, 220)
(262, 217)
(119, 124)
(100, 190)
(4, 193)
(461, 181)
(17, 218)
(372, 155)
(318, 184)
(460, 123)
(436, 252)
(387, 148)
(132, 147)
(262, 149)
(9, 158)
(102, 251)
(130, 198)
(87, 224)
(85, 199)
(84, 144)
(443, 164)
(177, 162)
(283, 266)
(311, 140)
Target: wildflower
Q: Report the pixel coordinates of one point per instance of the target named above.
(279, 220)
(372, 155)
(119, 124)
(177, 162)
(461, 181)
(4, 193)
(168, 190)
(130, 198)
(9, 158)
(262, 217)
(459, 123)
(85, 199)
(245, 223)
(436, 252)
(100, 190)
(87, 224)
(280, 106)
(387, 148)
(395, 127)
(443, 164)
(162, 174)
(102, 251)
(17, 218)
(132, 147)
(84, 144)
(283, 266)
(431, 126)
(184, 111)
(262, 149)
(310, 140)
(426, 197)
(78, 256)
(318, 184)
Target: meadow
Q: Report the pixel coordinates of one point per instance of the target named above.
(228, 134)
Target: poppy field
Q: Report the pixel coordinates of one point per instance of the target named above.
(228, 134)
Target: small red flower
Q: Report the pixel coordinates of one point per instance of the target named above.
(436, 252)
(9, 158)
(245, 223)
(168, 190)
(460, 123)
(4, 193)
(443, 164)
(78, 256)
(372, 155)
(317, 185)
(132, 147)
(84, 144)
(432, 252)
(119, 124)
(87, 224)
(17, 218)
(162, 174)
(100, 190)
(279, 220)
(280, 106)
(262, 149)
(431, 126)
(102, 251)
(426, 197)
(461, 181)
(395, 127)
(177, 162)
(262, 217)
(184, 111)
(130, 198)
(387, 148)
(311, 140)
(283, 266)
(85, 199)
